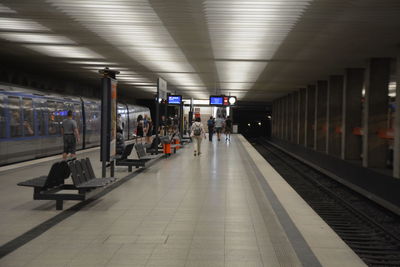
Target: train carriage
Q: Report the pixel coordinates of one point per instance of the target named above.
(30, 122)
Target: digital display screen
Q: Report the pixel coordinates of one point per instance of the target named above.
(174, 99)
(216, 100)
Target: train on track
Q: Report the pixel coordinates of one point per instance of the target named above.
(30, 122)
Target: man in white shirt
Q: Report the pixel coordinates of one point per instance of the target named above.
(219, 123)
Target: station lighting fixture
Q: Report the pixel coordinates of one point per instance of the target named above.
(245, 35)
(259, 123)
(392, 88)
(15, 24)
(4, 9)
(40, 38)
(121, 22)
(96, 63)
(65, 51)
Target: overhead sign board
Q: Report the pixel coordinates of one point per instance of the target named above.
(174, 99)
(216, 100)
(221, 100)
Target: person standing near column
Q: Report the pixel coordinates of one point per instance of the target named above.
(197, 133)
(70, 133)
(210, 124)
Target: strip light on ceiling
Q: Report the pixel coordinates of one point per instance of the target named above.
(4, 9)
(244, 32)
(64, 51)
(16, 24)
(134, 28)
(35, 38)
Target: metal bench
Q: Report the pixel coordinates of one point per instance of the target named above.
(156, 146)
(51, 187)
(83, 176)
(140, 150)
(124, 161)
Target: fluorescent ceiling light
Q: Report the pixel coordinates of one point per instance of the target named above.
(250, 31)
(35, 38)
(64, 51)
(141, 83)
(392, 88)
(97, 63)
(147, 88)
(4, 9)
(134, 28)
(14, 24)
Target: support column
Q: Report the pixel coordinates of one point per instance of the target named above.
(302, 116)
(352, 109)
(290, 117)
(287, 136)
(321, 116)
(273, 119)
(279, 118)
(396, 159)
(284, 100)
(375, 112)
(310, 117)
(335, 93)
(295, 115)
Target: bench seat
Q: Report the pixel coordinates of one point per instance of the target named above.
(83, 178)
(34, 182)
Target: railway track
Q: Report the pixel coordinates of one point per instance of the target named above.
(370, 230)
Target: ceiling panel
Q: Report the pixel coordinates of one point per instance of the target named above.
(258, 49)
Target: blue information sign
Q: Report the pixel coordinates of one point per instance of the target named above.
(216, 100)
(174, 100)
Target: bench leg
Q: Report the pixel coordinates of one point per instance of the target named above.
(59, 204)
(112, 168)
(130, 168)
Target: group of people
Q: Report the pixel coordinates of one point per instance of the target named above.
(145, 128)
(217, 125)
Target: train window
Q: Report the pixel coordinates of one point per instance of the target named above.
(28, 128)
(77, 116)
(53, 126)
(41, 118)
(15, 116)
(2, 119)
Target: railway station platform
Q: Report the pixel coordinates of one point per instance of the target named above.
(228, 207)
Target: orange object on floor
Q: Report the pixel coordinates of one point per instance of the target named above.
(167, 148)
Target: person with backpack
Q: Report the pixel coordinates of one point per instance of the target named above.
(210, 124)
(197, 133)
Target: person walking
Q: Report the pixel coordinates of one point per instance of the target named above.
(228, 128)
(140, 127)
(219, 123)
(197, 133)
(70, 132)
(210, 124)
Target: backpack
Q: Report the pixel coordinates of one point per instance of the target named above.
(210, 123)
(197, 130)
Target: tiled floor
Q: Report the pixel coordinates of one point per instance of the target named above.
(183, 211)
